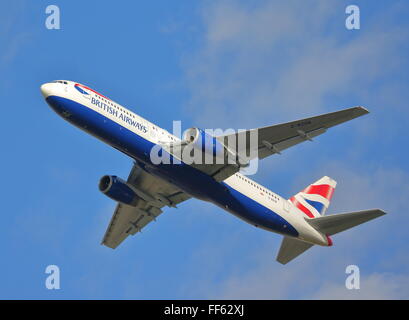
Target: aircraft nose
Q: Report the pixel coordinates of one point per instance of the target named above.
(46, 89)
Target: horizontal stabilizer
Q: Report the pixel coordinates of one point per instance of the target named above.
(291, 248)
(336, 223)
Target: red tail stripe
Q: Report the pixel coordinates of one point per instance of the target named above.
(301, 207)
(324, 190)
(85, 87)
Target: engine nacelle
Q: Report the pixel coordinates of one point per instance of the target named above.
(204, 142)
(118, 190)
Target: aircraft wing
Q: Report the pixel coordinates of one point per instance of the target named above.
(219, 172)
(274, 139)
(154, 193)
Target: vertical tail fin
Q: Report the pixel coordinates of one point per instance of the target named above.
(314, 200)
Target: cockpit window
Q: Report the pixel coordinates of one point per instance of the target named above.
(60, 81)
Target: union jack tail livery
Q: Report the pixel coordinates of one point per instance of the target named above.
(314, 200)
(311, 204)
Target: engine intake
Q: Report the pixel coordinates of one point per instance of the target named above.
(203, 142)
(118, 190)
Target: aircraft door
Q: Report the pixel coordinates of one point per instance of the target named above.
(286, 205)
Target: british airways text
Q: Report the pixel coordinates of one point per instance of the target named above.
(119, 115)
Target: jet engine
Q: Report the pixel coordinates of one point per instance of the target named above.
(203, 142)
(118, 190)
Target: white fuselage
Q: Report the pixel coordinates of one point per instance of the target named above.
(246, 192)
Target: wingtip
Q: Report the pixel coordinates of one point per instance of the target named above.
(381, 212)
(362, 110)
(104, 243)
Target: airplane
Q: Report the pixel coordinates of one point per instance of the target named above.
(150, 187)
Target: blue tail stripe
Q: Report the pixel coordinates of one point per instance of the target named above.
(317, 205)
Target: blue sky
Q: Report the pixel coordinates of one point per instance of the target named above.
(209, 64)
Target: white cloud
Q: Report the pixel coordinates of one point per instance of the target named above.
(275, 59)
(375, 286)
(377, 247)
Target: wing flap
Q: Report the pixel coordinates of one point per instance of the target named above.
(125, 221)
(276, 138)
(279, 146)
